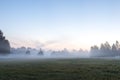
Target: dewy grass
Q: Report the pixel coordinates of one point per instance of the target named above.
(60, 69)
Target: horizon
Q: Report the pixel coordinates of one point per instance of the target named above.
(59, 24)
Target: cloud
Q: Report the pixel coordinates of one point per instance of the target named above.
(57, 44)
(26, 43)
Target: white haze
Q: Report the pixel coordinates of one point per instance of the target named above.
(20, 54)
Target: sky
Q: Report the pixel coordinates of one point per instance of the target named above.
(59, 24)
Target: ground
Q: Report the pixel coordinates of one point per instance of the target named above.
(60, 69)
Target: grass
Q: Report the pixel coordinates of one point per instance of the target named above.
(60, 69)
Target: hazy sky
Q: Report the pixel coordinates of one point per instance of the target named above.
(56, 24)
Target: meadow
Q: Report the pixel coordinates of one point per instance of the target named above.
(60, 69)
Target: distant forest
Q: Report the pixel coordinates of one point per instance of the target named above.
(106, 50)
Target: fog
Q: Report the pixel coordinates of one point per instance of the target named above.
(29, 53)
(105, 51)
(19, 55)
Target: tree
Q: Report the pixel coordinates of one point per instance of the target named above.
(94, 51)
(40, 52)
(107, 46)
(117, 45)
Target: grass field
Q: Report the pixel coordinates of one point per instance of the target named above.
(60, 69)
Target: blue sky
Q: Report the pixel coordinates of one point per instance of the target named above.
(58, 24)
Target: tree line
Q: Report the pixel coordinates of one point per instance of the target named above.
(106, 50)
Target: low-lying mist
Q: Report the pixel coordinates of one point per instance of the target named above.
(23, 54)
(105, 51)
